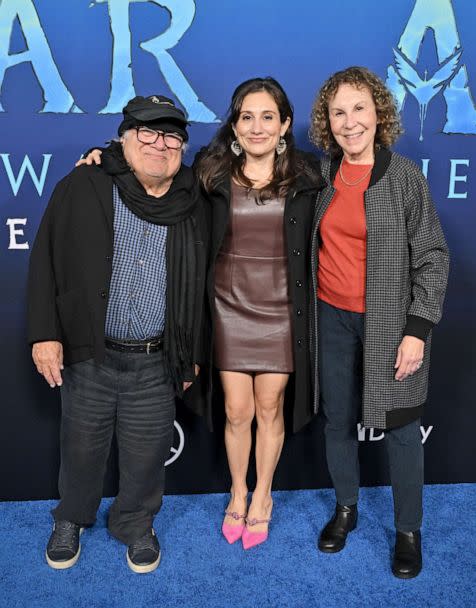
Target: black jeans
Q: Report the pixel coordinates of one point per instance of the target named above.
(130, 394)
(341, 336)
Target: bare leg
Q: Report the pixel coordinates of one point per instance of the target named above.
(269, 400)
(240, 411)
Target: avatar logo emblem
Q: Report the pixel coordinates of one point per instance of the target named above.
(177, 444)
(424, 89)
(449, 76)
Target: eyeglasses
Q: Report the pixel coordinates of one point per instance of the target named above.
(149, 136)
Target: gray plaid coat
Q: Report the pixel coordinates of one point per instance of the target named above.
(407, 270)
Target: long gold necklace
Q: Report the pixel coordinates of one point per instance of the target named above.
(361, 179)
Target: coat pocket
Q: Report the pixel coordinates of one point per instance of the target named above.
(73, 312)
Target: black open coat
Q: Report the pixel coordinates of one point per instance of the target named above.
(298, 214)
(71, 266)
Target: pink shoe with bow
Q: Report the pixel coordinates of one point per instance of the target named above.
(250, 538)
(232, 533)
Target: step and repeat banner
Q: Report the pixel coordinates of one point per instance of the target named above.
(66, 71)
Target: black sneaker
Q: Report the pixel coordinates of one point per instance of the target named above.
(63, 547)
(143, 555)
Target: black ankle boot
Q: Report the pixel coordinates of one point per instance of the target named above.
(332, 538)
(407, 560)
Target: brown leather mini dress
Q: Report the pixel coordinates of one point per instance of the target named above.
(252, 304)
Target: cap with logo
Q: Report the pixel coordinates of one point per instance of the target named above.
(156, 112)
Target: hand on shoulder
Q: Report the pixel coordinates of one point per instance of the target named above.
(93, 157)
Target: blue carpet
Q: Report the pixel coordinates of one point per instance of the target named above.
(199, 568)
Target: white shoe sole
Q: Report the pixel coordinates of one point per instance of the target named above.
(143, 569)
(67, 564)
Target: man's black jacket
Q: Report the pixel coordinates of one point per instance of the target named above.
(71, 266)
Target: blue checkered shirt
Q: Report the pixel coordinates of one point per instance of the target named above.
(136, 308)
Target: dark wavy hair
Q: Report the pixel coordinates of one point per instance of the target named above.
(217, 161)
(388, 119)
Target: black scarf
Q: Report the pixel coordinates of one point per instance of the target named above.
(175, 210)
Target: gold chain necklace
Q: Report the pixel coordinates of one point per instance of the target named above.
(360, 178)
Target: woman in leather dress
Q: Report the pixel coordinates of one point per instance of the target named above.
(262, 192)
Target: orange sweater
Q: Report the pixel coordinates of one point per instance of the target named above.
(343, 231)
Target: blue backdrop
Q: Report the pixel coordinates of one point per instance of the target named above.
(67, 69)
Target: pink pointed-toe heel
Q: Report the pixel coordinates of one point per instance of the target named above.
(251, 539)
(233, 533)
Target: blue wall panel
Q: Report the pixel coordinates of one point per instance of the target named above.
(66, 69)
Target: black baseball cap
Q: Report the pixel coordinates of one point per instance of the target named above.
(157, 112)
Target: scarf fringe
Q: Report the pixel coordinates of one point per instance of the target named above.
(179, 358)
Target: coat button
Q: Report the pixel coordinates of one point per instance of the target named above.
(299, 312)
(292, 220)
(103, 294)
(298, 284)
(300, 343)
(108, 258)
(296, 252)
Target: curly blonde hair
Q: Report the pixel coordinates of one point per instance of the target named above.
(388, 119)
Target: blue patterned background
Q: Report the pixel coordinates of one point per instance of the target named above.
(66, 69)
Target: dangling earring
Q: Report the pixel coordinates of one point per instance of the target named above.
(282, 145)
(235, 147)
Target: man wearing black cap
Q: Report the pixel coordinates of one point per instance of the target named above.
(114, 308)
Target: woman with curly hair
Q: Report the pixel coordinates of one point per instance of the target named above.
(379, 266)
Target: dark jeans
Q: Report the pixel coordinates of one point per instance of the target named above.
(130, 394)
(341, 336)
